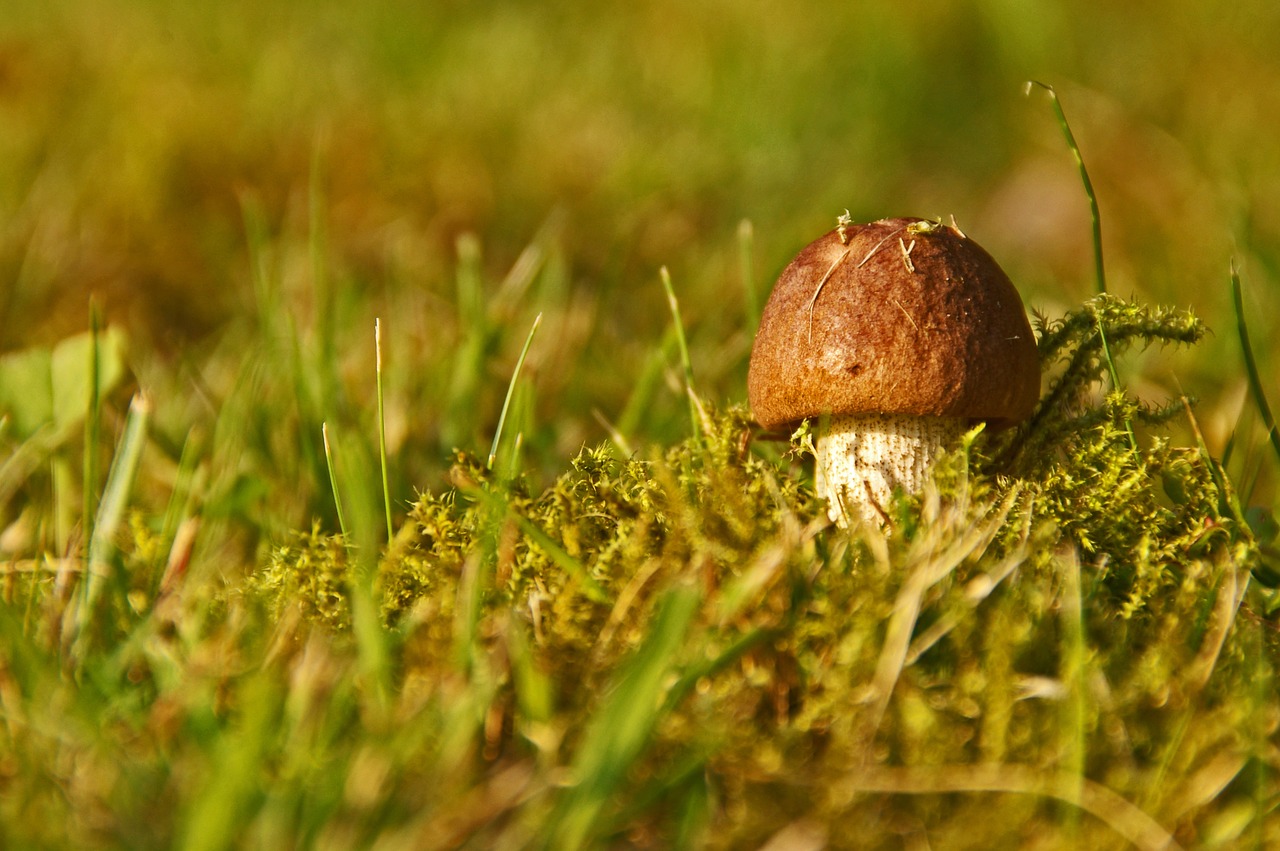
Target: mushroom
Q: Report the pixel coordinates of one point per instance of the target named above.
(896, 337)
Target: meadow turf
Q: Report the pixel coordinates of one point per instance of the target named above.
(516, 569)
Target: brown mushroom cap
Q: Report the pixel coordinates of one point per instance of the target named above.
(901, 316)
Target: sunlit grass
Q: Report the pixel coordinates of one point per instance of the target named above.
(503, 579)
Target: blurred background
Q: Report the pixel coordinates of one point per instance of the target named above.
(222, 176)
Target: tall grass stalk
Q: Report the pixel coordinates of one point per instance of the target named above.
(382, 425)
(106, 524)
(1251, 365)
(1100, 273)
(623, 724)
(511, 386)
(92, 422)
(1074, 678)
(695, 418)
(475, 341)
(333, 482)
(645, 386)
(1099, 268)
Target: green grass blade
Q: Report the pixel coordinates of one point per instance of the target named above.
(1251, 365)
(1099, 268)
(219, 812)
(561, 557)
(355, 495)
(511, 386)
(475, 338)
(646, 385)
(1073, 675)
(333, 482)
(695, 420)
(382, 425)
(499, 505)
(115, 498)
(92, 423)
(621, 728)
(1115, 381)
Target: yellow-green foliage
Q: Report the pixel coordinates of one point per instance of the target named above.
(1066, 614)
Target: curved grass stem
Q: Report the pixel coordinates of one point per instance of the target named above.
(1251, 365)
(695, 417)
(511, 387)
(382, 425)
(1099, 269)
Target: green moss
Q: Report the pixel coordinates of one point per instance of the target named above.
(1060, 604)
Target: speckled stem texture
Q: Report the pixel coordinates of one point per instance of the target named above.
(862, 458)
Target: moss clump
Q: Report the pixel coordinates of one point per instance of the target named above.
(678, 647)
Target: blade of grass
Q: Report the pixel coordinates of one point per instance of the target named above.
(92, 424)
(333, 481)
(522, 407)
(474, 340)
(695, 420)
(1113, 810)
(382, 425)
(640, 401)
(354, 486)
(1115, 383)
(1056, 102)
(184, 484)
(115, 497)
(217, 814)
(1073, 676)
(1251, 364)
(543, 541)
(1099, 268)
(511, 386)
(620, 729)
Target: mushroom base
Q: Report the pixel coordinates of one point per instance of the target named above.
(862, 459)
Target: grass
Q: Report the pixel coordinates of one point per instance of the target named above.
(675, 649)
(503, 579)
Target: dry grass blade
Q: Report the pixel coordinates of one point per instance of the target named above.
(1231, 591)
(977, 590)
(1116, 812)
(938, 558)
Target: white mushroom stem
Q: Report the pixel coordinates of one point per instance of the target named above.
(862, 458)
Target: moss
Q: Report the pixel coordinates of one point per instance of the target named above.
(1062, 600)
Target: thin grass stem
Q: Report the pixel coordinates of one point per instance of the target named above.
(92, 422)
(1099, 269)
(1251, 364)
(382, 424)
(541, 539)
(640, 401)
(115, 497)
(1073, 677)
(1115, 382)
(694, 419)
(333, 481)
(511, 386)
